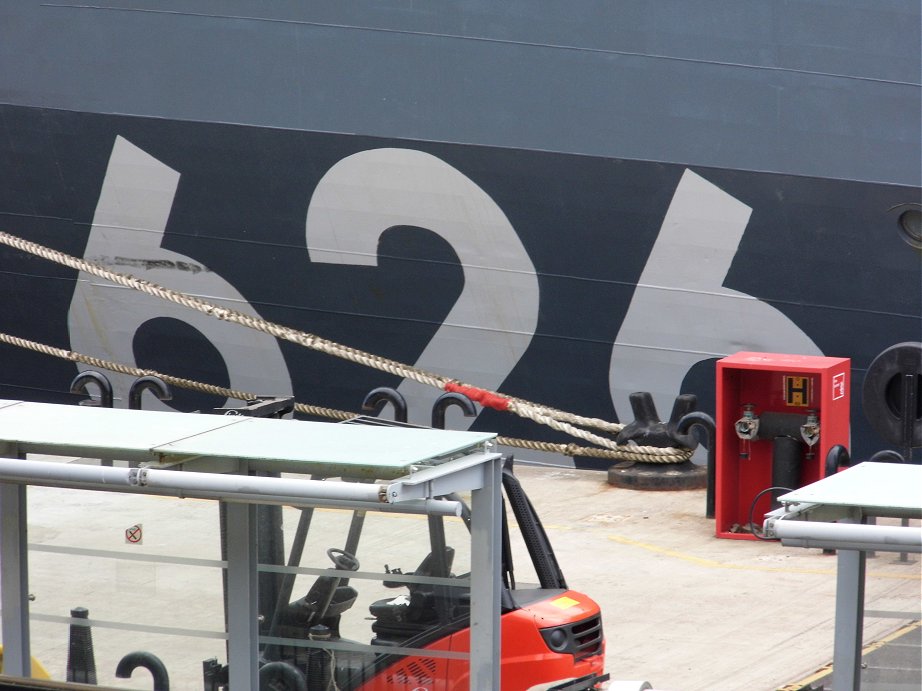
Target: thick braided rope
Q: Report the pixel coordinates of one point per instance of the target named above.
(227, 314)
(532, 411)
(646, 454)
(621, 453)
(279, 331)
(520, 407)
(556, 419)
(99, 363)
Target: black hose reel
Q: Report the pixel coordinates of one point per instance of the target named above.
(892, 396)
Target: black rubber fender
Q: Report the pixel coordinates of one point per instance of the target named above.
(882, 394)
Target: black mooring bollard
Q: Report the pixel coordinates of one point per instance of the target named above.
(706, 422)
(148, 661)
(445, 401)
(648, 430)
(378, 398)
(837, 457)
(155, 385)
(79, 385)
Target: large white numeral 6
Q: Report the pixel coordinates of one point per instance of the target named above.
(680, 301)
(494, 319)
(135, 202)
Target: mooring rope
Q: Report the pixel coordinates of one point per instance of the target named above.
(168, 378)
(647, 454)
(558, 420)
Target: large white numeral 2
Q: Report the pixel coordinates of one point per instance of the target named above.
(130, 219)
(680, 300)
(494, 318)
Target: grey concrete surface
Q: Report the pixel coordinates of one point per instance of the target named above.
(681, 608)
(690, 612)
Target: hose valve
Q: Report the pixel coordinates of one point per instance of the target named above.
(747, 427)
(810, 430)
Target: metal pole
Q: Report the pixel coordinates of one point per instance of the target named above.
(14, 580)
(191, 483)
(848, 536)
(486, 587)
(232, 488)
(47, 472)
(242, 597)
(846, 661)
(254, 485)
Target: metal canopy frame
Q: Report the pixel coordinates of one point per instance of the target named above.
(195, 442)
(183, 455)
(832, 514)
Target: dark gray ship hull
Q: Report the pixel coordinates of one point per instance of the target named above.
(566, 209)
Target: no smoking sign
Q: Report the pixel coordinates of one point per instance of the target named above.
(134, 535)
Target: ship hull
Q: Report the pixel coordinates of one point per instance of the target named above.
(469, 237)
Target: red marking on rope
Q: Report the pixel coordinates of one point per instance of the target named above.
(485, 398)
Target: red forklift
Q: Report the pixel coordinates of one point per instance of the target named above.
(551, 636)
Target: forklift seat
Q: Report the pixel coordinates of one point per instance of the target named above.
(405, 616)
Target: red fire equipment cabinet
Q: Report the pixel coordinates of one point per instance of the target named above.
(777, 417)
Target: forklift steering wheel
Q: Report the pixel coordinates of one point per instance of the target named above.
(343, 560)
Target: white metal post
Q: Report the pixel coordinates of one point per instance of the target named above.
(485, 578)
(14, 580)
(846, 660)
(242, 605)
